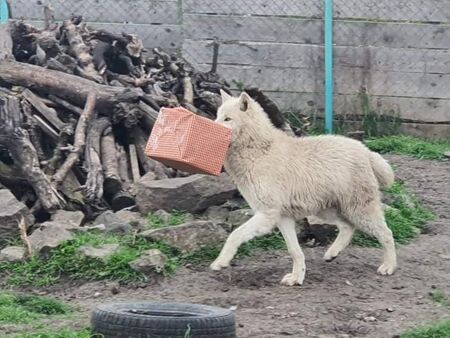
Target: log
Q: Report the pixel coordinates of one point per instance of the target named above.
(134, 163)
(17, 141)
(65, 104)
(66, 86)
(112, 184)
(81, 51)
(79, 142)
(93, 188)
(123, 166)
(49, 113)
(6, 42)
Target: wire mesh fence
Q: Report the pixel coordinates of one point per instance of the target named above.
(391, 59)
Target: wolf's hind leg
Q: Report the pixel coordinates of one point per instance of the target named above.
(287, 228)
(260, 224)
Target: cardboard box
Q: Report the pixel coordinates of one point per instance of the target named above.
(185, 141)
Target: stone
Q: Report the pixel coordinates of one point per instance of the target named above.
(239, 216)
(48, 236)
(189, 236)
(133, 218)
(113, 223)
(192, 194)
(217, 213)
(149, 261)
(102, 252)
(163, 215)
(12, 254)
(447, 154)
(11, 212)
(69, 219)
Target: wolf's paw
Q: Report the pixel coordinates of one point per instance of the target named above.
(386, 269)
(330, 255)
(217, 265)
(291, 279)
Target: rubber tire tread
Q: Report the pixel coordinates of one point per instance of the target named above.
(108, 321)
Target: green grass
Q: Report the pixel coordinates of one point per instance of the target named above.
(439, 330)
(175, 218)
(439, 297)
(65, 261)
(23, 309)
(408, 145)
(406, 219)
(58, 334)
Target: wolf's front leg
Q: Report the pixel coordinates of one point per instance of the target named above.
(287, 228)
(260, 224)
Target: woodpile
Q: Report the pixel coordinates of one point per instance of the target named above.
(77, 106)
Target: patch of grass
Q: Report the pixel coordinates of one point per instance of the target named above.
(157, 221)
(439, 330)
(65, 261)
(406, 218)
(439, 297)
(408, 145)
(23, 309)
(59, 334)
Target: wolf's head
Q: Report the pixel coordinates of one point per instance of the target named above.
(243, 115)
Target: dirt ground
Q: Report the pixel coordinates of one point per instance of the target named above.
(343, 298)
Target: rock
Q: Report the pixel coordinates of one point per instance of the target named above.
(149, 261)
(189, 236)
(12, 254)
(370, 319)
(69, 219)
(133, 218)
(48, 236)
(11, 212)
(102, 252)
(239, 216)
(191, 194)
(217, 213)
(447, 154)
(163, 215)
(113, 223)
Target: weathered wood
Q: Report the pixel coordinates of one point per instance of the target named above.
(306, 56)
(79, 141)
(408, 108)
(347, 81)
(46, 128)
(49, 113)
(310, 31)
(109, 159)
(134, 163)
(17, 141)
(118, 11)
(414, 10)
(65, 104)
(93, 188)
(305, 8)
(67, 86)
(81, 51)
(124, 171)
(6, 43)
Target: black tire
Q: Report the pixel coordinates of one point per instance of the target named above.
(162, 320)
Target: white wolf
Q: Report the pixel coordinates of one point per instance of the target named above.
(284, 178)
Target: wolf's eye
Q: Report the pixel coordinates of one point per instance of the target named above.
(227, 119)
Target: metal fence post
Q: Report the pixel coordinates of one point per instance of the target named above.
(328, 15)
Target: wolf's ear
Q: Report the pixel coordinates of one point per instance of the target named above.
(225, 95)
(244, 101)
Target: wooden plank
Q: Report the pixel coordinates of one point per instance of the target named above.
(411, 10)
(167, 37)
(305, 56)
(347, 80)
(408, 108)
(388, 10)
(117, 11)
(305, 8)
(310, 31)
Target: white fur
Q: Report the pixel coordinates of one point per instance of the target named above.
(284, 178)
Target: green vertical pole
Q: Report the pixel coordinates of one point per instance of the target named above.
(328, 14)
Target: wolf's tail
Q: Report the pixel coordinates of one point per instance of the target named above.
(382, 170)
